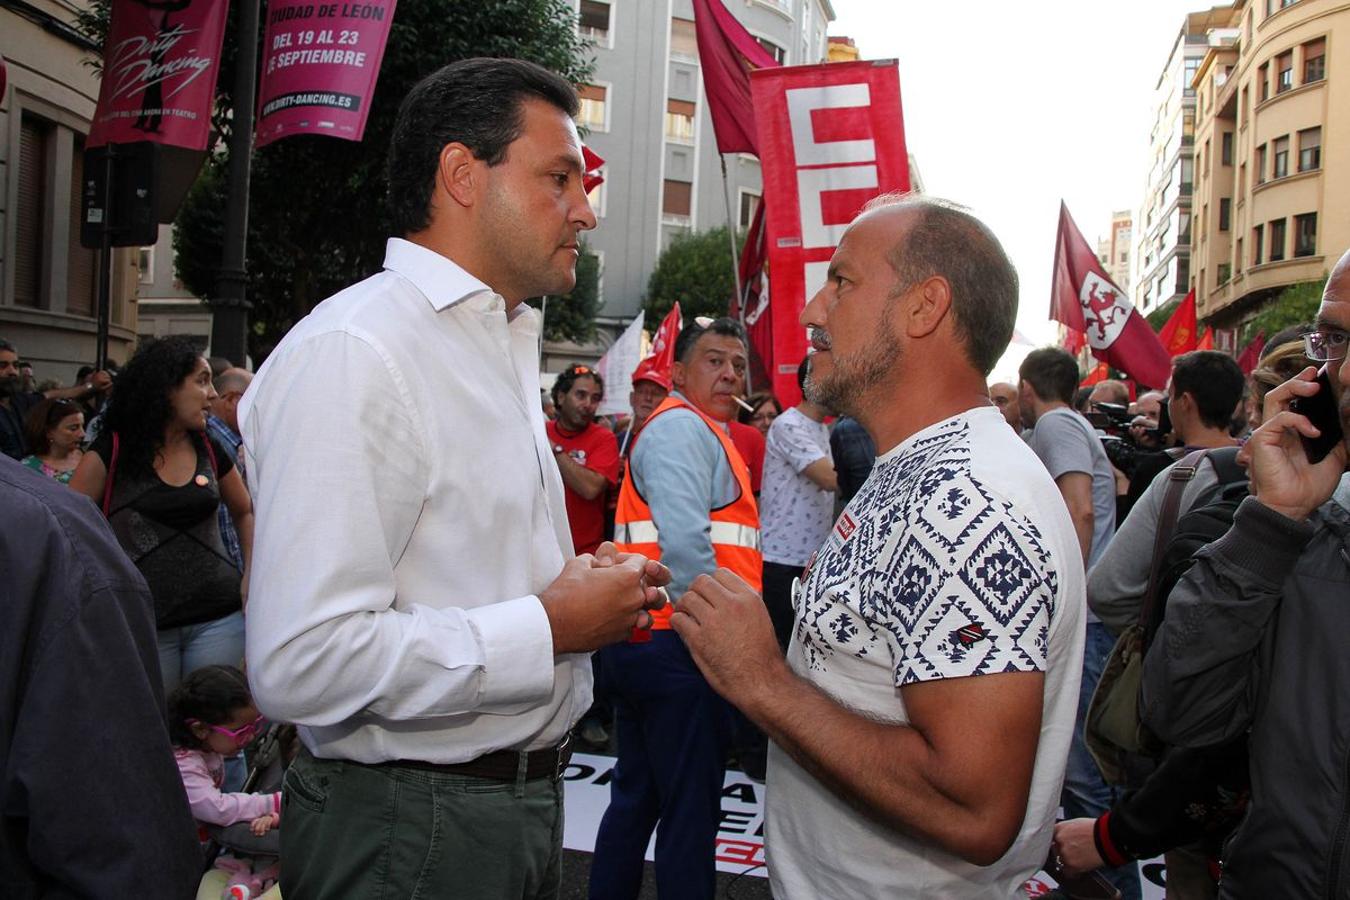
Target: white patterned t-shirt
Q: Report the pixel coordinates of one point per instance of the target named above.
(957, 558)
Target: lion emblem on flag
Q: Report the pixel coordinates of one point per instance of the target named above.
(1105, 310)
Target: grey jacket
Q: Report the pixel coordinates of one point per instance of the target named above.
(1256, 638)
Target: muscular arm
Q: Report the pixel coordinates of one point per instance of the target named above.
(959, 780)
(1076, 487)
(822, 475)
(586, 482)
(958, 775)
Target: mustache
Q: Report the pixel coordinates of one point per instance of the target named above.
(819, 337)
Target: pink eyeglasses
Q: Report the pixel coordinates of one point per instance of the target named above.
(240, 736)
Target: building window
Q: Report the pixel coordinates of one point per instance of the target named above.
(1309, 149)
(596, 196)
(1284, 67)
(1257, 236)
(35, 145)
(778, 53)
(677, 199)
(1225, 213)
(683, 39)
(749, 203)
(1238, 257)
(1305, 234)
(81, 261)
(1227, 148)
(1187, 175)
(593, 22)
(1281, 157)
(594, 107)
(1225, 273)
(1314, 60)
(1277, 235)
(145, 265)
(1260, 173)
(680, 121)
(1263, 77)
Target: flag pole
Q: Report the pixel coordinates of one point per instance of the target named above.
(735, 257)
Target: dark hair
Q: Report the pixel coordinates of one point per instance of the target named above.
(568, 377)
(1213, 379)
(755, 401)
(1284, 336)
(139, 409)
(6, 345)
(42, 418)
(476, 102)
(689, 335)
(84, 372)
(946, 240)
(218, 365)
(211, 694)
(1080, 399)
(1051, 372)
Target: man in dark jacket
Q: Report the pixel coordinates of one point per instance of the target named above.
(1254, 639)
(90, 798)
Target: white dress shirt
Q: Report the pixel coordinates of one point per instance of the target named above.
(408, 512)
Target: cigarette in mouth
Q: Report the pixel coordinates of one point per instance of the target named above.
(743, 405)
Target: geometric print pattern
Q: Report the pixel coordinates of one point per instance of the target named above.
(930, 572)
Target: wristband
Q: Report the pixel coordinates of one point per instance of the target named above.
(1106, 848)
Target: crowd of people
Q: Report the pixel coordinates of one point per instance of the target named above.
(901, 602)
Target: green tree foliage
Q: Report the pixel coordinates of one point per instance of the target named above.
(1296, 304)
(695, 270)
(571, 317)
(317, 219)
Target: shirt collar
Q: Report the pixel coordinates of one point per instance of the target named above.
(439, 279)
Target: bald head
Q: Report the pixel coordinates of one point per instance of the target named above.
(1110, 391)
(1004, 396)
(230, 386)
(934, 237)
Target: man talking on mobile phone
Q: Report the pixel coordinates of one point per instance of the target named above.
(1255, 638)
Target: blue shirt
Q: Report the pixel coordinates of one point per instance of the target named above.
(225, 436)
(680, 469)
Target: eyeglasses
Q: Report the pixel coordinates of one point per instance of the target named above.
(240, 736)
(1325, 344)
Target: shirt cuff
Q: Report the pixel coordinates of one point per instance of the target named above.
(517, 651)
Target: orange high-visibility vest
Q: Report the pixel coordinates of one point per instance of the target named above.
(734, 528)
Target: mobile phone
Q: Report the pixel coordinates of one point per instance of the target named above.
(1321, 410)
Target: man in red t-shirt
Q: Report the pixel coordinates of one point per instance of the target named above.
(587, 453)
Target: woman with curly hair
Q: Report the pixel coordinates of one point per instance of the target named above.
(160, 479)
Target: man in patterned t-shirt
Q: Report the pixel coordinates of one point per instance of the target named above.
(923, 715)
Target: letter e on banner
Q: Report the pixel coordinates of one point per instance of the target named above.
(831, 137)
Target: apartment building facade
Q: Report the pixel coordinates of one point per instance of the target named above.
(1272, 153)
(1160, 255)
(48, 281)
(646, 114)
(1113, 250)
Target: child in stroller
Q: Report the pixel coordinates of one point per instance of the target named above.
(211, 715)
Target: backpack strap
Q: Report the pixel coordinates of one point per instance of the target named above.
(1177, 478)
(108, 480)
(1224, 461)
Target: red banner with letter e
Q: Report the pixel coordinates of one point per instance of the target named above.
(160, 64)
(320, 64)
(831, 137)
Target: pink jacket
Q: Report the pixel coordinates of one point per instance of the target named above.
(203, 772)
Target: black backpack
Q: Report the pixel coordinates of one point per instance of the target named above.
(1207, 520)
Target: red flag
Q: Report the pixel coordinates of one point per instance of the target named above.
(1100, 373)
(1083, 297)
(752, 308)
(1074, 341)
(160, 63)
(592, 178)
(1206, 340)
(1178, 335)
(831, 137)
(726, 53)
(659, 363)
(1251, 354)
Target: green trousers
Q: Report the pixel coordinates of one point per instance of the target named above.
(350, 830)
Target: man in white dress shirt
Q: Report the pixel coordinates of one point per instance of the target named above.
(415, 606)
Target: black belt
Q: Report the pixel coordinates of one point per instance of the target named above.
(500, 765)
